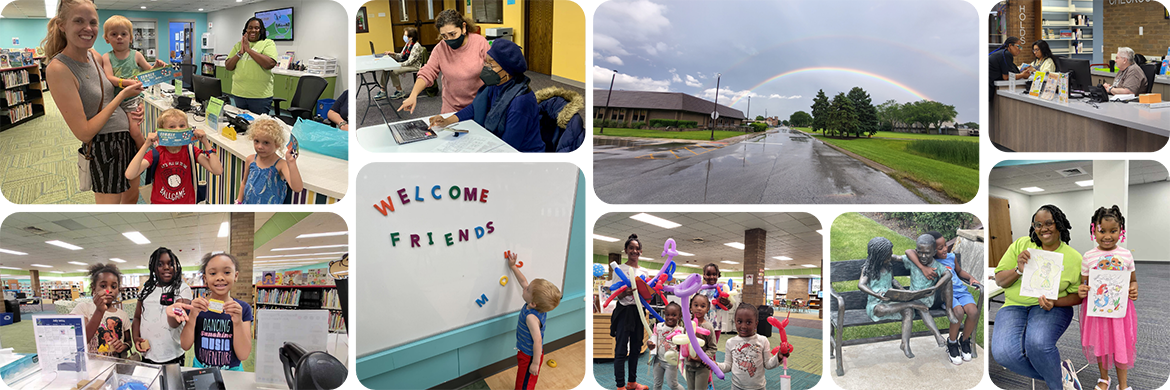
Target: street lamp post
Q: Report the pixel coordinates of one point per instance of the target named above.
(749, 110)
(715, 112)
(607, 96)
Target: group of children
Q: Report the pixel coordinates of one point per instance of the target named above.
(168, 320)
(746, 356)
(267, 177)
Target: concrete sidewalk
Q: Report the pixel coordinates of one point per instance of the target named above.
(883, 365)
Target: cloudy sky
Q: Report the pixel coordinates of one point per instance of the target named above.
(781, 52)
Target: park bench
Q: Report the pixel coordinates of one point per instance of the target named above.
(847, 309)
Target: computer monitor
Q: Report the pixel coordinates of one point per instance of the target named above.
(1079, 68)
(206, 88)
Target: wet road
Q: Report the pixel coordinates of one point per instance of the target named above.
(780, 167)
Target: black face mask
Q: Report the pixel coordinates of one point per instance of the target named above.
(489, 76)
(454, 44)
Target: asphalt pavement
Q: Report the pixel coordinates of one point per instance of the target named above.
(781, 166)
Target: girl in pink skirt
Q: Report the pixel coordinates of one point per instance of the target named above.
(1109, 341)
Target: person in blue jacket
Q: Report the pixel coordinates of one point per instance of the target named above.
(505, 105)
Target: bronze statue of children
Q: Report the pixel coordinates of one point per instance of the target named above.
(888, 299)
(925, 272)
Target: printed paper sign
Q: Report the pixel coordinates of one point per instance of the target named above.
(157, 76)
(214, 111)
(1042, 274)
(176, 137)
(294, 148)
(60, 341)
(1108, 293)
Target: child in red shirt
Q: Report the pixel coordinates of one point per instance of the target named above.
(174, 174)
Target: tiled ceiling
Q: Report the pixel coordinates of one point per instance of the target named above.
(187, 232)
(789, 234)
(314, 223)
(189, 235)
(1046, 176)
(36, 8)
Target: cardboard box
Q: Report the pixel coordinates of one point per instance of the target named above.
(1150, 98)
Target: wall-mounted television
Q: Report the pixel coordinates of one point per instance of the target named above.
(278, 22)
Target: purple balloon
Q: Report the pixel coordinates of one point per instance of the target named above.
(688, 287)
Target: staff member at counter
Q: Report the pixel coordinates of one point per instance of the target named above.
(504, 105)
(1130, 80)
(1043, 55)
(252, 60)
(1000, 62)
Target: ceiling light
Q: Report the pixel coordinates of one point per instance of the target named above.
(650, 219)
(728, 262)
(77, 263)
(311, 247)
(1032, 189)
(299, 255)
(81, 270)
(201, 9)
(329, 234)
(645, 258)
(137, 237)
(141, 267)
(7, 267)
(117, 260)
(604, 238)
(11, 252)
(143, 7)
(223, 229)
(809, 265)
(65, 245)
(50, 7)
(681, 253)
(42, 266)
(57, 272)
(782, 258)
(736, 245)
(1085, 183)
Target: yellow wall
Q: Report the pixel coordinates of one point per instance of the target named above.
(568, 58)
(513, 17)
(381, 31)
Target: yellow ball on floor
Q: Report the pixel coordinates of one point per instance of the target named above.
(552, 363)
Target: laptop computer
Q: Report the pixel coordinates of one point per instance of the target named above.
(409, 131)
(376, 53)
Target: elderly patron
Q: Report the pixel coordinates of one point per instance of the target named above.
(1130, 80)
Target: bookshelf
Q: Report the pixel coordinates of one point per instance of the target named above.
(303, 298)
(22, 83)
(1067, 26)
(64, 294)
(128, 293)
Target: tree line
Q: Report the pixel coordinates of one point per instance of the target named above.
(853, 114)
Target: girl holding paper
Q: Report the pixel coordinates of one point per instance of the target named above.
(1109, 341)
(1027, 328)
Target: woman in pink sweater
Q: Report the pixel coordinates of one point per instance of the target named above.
(459, 58)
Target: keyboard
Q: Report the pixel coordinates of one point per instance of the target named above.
(412, 131)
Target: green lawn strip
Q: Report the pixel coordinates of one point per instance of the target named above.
(699, 135)
(848, 238)
(916, 136)
(960, 183)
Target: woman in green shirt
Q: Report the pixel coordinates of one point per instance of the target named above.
(251, 61)
(1027, 328)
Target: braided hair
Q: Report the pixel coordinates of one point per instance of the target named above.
(1113, 213)
(878, 251)
(176, 277)
(97, 270)
(1058, 218)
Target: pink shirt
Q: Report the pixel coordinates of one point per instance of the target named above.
(1118, 259)
(460, 69)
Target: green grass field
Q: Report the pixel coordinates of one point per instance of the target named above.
(698, 135)
(848, 237)
(959, 183)
(891, 134)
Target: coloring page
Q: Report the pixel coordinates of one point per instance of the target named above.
(1108, 293)
(1042, 274)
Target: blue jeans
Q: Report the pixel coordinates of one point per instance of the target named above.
(1024, 341)
(258, 106)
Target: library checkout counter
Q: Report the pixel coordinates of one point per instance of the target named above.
(1024, 123)
(324, 177)
(284, 82)
(1161, 82)
(477, 139)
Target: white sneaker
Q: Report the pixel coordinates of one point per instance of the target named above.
(1069, 376)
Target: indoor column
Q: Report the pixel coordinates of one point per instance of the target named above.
(241, 245)
(754, 241)
(1111, 184)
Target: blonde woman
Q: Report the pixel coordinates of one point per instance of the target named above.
(88, 102)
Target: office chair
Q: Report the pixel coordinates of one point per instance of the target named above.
(188, 76)
(304, 101)
(1150, 69)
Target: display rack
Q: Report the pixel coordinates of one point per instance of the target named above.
(22, 99)
(145, 38)
(1067, 26)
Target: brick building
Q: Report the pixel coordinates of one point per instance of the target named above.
(642, 106)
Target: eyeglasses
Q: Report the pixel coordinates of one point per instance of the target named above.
(1045, 224)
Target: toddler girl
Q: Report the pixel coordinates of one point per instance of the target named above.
(747, 356)
(697, 373)
(1109, 341)
(267, 177)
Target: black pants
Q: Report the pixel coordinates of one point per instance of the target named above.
(628, 331)
(179, 360)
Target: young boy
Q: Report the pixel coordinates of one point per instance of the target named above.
(926, 273)
(540, 297)
(174, 175)
(121, 64)
(962, 303)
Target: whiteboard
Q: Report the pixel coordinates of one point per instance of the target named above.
(307, 328)
(410, 293)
